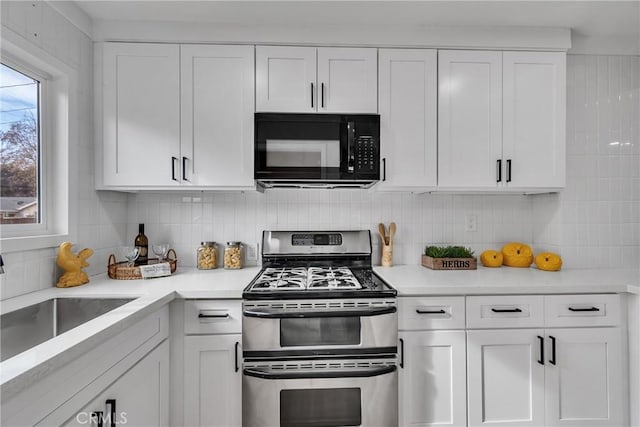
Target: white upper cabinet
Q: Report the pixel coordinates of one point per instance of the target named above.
(408, 124)
(141, 114)
(534, 96)
(308, 79)
(469, 118)
(501, 120)
(217, 89)
(348, 80)
(286, 79)
(177, 116)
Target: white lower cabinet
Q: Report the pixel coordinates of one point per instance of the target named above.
(506, 383)
(140, 397)
(547, 376)
(212, 364)
(432, 380)
(585, 385)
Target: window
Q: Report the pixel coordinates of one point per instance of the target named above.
(38, 128)
(20, 142)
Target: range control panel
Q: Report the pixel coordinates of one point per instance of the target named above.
(365, 154)
(313, 239)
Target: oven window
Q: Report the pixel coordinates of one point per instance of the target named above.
(282, 153)
(319, 331)
(320, 407)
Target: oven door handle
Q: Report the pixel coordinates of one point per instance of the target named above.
(279, 374)
(269, 313)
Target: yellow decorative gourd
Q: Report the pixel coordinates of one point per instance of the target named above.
(491, 258)
(517, 254)
(548, 261)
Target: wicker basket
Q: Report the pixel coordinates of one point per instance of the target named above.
(121, 271)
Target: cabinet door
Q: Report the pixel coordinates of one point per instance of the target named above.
(286, 79)
(469, 118)
(534, 105)
(585, 385)
(217, 115)
(141, 114)
(408, 125)
(348, 80)
(433, 382)
(212, 380)
(140, 396)
(505, 379)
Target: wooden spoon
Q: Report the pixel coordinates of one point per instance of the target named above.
(392, 232)
(382, 233)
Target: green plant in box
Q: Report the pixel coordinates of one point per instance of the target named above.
(448, 252)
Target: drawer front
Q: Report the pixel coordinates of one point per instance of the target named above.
(582, 310)
(212, 317)
(505, 311)
(431, 313)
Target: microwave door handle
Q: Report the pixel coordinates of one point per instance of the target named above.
(280, 374)
(269, 313)
(351, 135)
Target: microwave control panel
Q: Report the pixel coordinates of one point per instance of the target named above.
(365, 154)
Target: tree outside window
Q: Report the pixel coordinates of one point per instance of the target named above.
(19, 147)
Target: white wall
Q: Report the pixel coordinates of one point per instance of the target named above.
(595, 221)
(101, 217)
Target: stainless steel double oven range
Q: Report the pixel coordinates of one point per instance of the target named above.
(320, 333)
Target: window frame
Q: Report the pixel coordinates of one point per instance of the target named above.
(18, 230)
(59, 134)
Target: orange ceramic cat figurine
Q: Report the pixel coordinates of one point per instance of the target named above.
(72, 265)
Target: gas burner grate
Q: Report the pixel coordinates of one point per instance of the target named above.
(300, 278)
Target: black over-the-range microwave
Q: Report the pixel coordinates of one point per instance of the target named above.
(317, 150)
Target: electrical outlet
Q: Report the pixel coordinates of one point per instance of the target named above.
(470, 223)
(251, 253)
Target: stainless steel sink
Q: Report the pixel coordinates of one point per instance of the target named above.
(25, 328)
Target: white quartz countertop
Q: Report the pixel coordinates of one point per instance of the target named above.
(415, 280)
(410, 280)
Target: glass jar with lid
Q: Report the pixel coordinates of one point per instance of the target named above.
(233, 256)
(207, 256)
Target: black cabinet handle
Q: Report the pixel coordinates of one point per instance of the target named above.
(322, 95)
(173, 168)
(584, 309)
(97, 418)
(236, 356)
(499, 170)
(184, 168)
(553, 350)
(402, 353)
(112, 411)
(312, 94)
(506, 310)
(213, 316)
(384, 169)
(508, 170)
(541, 341)
(430, 311)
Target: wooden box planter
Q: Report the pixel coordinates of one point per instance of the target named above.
(449, 263)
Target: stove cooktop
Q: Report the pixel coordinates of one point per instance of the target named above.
(317, 282)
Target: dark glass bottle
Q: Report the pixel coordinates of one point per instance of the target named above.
(142, 243)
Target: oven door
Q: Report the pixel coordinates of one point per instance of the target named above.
(320, 393)
(292, 327)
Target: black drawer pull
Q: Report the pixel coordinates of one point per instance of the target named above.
(499, 170)
(430, 311)
(401, 353)
(541, 341)
(506, 310)
(236, 356)
(584, 309)
(213, 316)
(553, 350)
